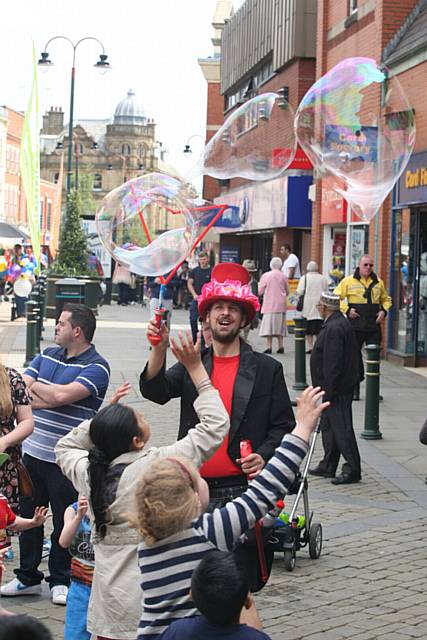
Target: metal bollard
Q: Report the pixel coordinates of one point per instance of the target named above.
(372, 403)
(34, 296)
(31, 338)
(299, 337)
(42, 290)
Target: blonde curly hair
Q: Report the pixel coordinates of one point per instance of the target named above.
(166, 499)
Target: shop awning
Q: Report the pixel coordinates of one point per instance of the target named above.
(10, 235)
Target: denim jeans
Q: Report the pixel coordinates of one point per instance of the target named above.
(50, 487)
(20, 305)
(76, 612)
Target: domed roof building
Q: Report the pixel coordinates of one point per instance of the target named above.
(130, 111)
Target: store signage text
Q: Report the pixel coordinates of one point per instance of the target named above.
(417, 178)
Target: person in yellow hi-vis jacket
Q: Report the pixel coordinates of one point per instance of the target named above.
(365, 301)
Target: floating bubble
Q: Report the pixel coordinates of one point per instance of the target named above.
(256, 142)
(132, 224)
(356, 125)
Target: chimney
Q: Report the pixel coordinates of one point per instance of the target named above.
(53, 121)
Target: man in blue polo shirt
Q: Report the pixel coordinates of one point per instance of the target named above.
(68, 384)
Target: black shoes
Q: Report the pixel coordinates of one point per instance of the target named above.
(267, 351)
(281, 350)
(309, 350)
(345, 478)
(321, 473)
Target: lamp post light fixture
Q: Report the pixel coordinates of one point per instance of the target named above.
(102, 65)
(187, 147)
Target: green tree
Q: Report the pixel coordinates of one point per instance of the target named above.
(72, 255)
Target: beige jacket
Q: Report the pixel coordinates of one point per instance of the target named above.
(116, 600)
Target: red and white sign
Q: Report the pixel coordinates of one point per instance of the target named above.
(280, 157)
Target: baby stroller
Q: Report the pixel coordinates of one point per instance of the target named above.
(292, 532)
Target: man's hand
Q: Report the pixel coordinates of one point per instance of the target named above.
(309, 410)
(353, 314)
(120, 393)
(252, 465)
(82, 507)
(185, 351)
(153, 330)
(380, 316)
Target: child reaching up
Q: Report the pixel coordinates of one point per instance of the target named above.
(76, 536)
(170, 502)
(105, 459)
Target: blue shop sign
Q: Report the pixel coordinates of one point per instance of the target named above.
(412, 185)
(351, 142)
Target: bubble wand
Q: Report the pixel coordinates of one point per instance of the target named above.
(159, 314)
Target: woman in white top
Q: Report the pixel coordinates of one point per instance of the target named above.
(312, 284)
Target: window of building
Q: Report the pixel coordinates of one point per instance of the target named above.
(56, 178)
(78, 149)
(48, 215)
(352, 6)
(126, 149)
(97, 182)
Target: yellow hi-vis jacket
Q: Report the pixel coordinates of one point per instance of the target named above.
(353, 292)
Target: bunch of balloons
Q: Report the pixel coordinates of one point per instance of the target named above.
(355, 124)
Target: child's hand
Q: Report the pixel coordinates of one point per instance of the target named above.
(185, 351)
(309, 411)
(120, 393)
(40, 515)
(82, 507)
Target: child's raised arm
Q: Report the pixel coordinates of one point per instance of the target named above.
(188, 354)
(72, 520)
(38, 519)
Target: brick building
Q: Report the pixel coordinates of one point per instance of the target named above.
(13, 208)
(393, 33)
(266, 46)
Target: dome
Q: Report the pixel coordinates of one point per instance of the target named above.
(130, 111)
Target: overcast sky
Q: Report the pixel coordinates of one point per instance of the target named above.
(152, 46)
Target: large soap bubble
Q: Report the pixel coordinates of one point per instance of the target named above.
(356, 125)
(132, 221)
(256, 142)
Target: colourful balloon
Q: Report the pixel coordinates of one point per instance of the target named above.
(356, 126)
(256, 142)
(15, 271)
(131, 224)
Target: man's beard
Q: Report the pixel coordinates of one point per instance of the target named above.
(226, 338)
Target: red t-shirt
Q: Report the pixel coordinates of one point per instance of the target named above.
(7, 517)
(224, 372)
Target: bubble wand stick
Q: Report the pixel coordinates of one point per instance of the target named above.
(159, 314)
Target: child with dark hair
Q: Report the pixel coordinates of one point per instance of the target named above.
(220, 590)
(105, 459)
(23, 628)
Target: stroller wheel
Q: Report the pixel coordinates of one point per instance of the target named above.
(290, 559)
(315, 541)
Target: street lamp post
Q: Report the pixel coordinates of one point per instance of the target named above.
(102, 65)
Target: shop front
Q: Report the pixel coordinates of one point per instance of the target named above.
(407, 328)
(270, 214)
(345, 236)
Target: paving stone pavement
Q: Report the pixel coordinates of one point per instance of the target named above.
(371, 578)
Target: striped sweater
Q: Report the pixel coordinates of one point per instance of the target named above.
(167, 566)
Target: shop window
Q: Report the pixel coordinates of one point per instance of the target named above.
(97, 182)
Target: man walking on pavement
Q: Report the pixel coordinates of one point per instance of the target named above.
(196, 279)
(290, 266)
(68, 384)
(365, 301)
(335, 368)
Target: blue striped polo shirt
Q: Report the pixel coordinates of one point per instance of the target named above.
(53, 367)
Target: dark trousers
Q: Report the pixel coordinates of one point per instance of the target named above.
(338, 438)
(20, 306)
(124, 296)
(50, 487)
(194, 320)
(373, 336)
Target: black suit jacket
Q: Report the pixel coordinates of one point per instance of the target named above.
(334, 363)
(261, 409)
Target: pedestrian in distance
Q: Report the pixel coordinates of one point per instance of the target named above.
(311, 286)
(196, 279)
(334, 367)
(104, 459)
(67, 383)
(253, 284)
(170, 513)
(365, 301)
(291, 266)
(274, 288)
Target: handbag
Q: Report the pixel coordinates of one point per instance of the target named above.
(300, 301)
(25, 484)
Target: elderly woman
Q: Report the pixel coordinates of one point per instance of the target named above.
(312, 285)
(275, 288)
